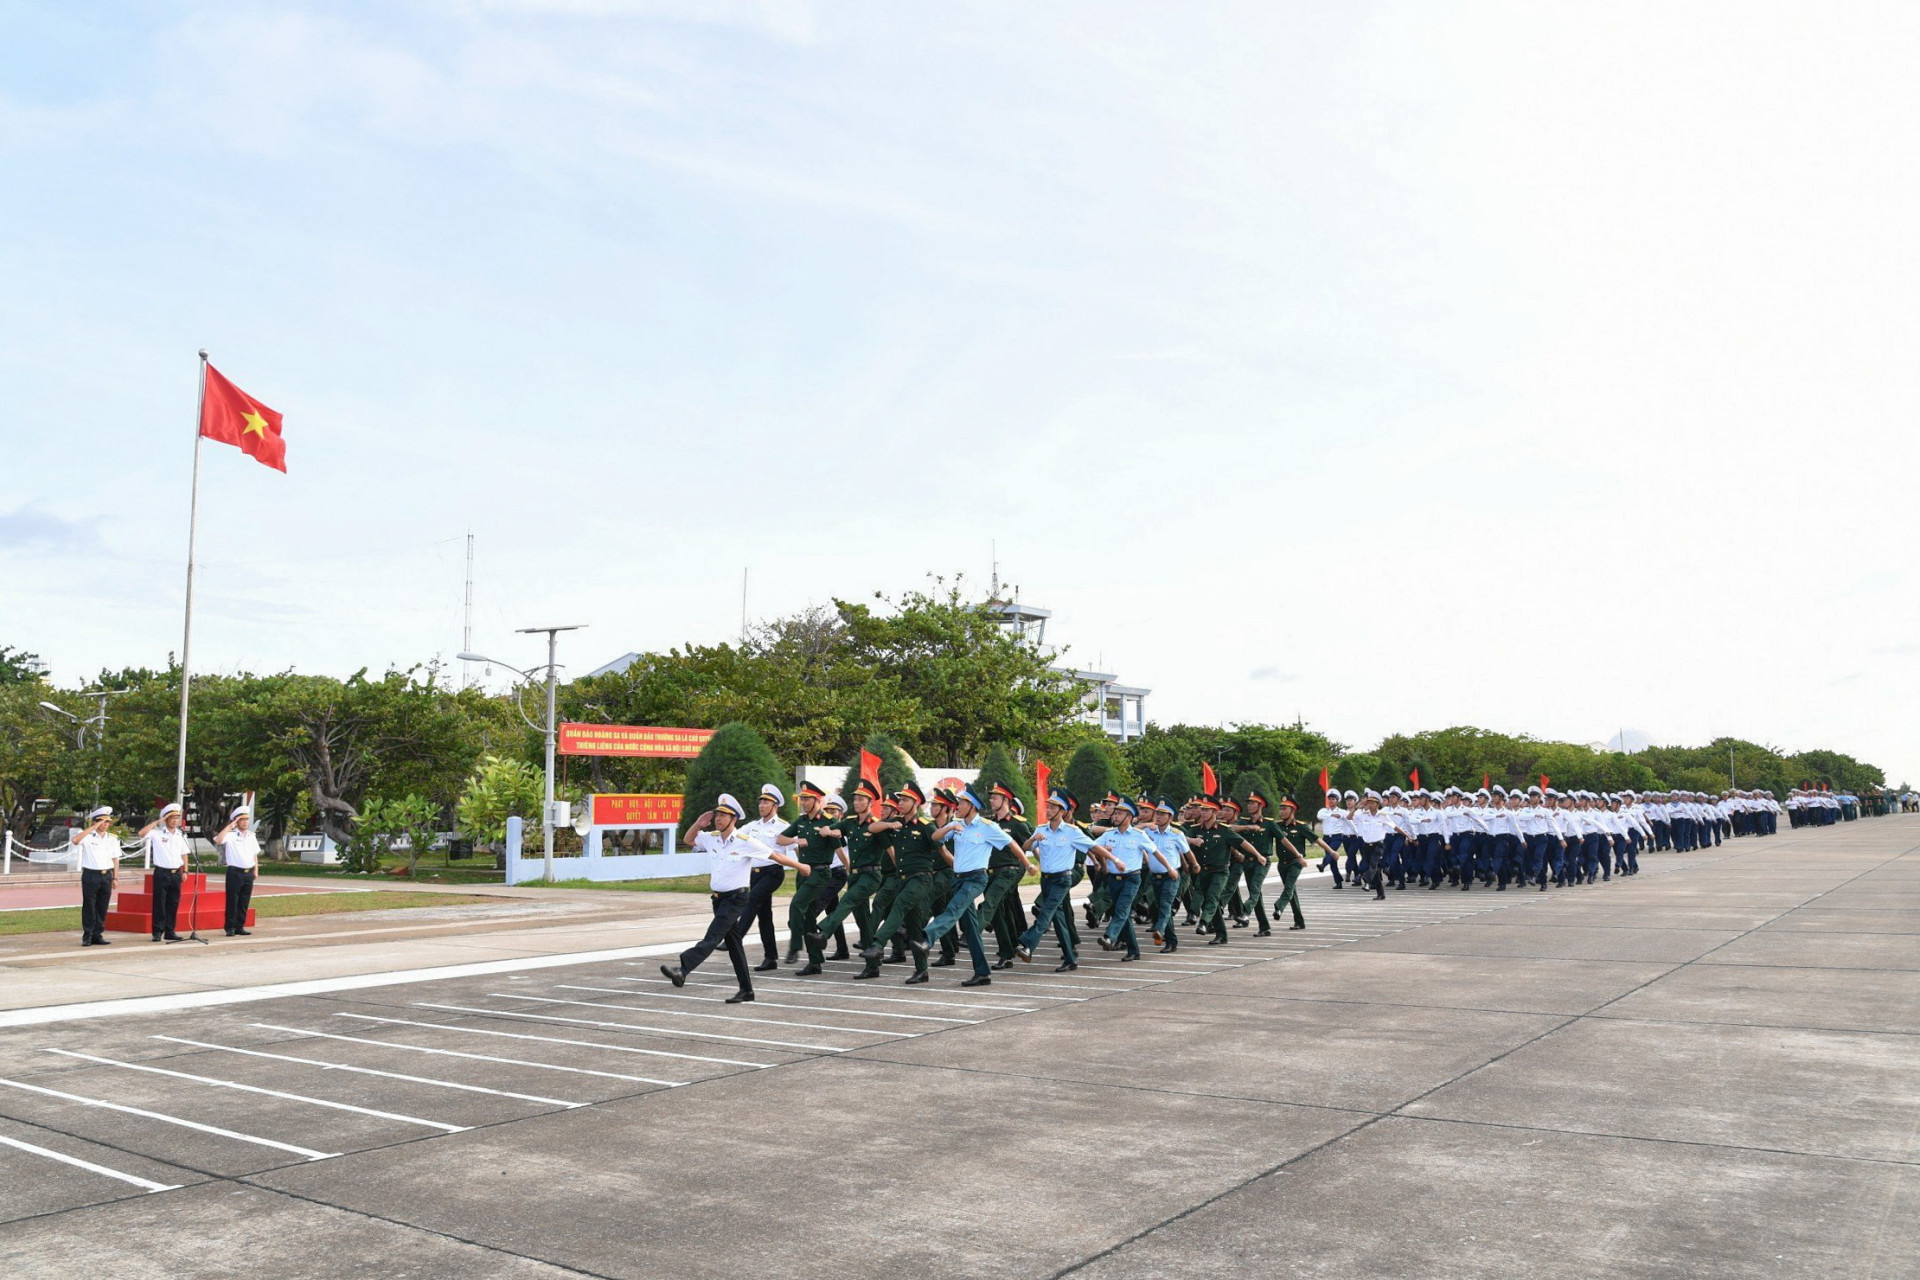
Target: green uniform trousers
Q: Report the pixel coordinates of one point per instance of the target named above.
(993, 907)
(809, 904)
(910, 910)
(1255, 874)
(853, 902)
(1210, 888)
(1289, 893)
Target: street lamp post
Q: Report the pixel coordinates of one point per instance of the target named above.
(99, 722)
(551, 730)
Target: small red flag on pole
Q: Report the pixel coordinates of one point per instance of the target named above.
(1323, 779)
(1208, 782)
(1414, 778)
(231, 416)
(1486, 780)
(1042, 785)
(1543, 782)
(870, 771)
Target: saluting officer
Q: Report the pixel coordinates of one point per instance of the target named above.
(99, 852)
(240, 851)
(167, 855)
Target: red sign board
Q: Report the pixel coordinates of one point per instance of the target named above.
(631, 740)
(635, 810)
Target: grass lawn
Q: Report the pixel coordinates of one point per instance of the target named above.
(273, 906)
(479, 871)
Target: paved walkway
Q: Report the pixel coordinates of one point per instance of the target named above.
(1707, 1070)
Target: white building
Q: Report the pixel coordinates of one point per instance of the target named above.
(1119, 709)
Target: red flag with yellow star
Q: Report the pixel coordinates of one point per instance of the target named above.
(231, 416)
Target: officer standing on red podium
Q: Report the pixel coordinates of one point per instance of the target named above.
(167, 855)
(240, 850)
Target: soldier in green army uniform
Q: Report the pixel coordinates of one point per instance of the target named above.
(915, 856)
(815, 839)
(867, 836)
(1190, 893)
(1006, 868)
(1217, 848)
(1248, 867)
(942, 803)
(1300, 837)
(1269, 837)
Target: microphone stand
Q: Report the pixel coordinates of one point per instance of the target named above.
(193, 909)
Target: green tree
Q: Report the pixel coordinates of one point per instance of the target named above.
(998, 768)
(1429, 776)
(384, 823)
(500, 788)
(1308, 796)
(30, 751)
(1090, 773)
(1386, 774)
(1179, 783)
(736, 761)
(974, 681)
(895, 772)
(17, 666)
(1247, 779)
(1352, 773)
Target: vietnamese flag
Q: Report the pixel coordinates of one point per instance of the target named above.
(1209, 784)
(231, 416)
(870, 771)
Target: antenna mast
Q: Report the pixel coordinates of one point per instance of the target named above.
(466, 623)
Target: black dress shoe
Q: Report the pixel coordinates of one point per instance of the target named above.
(86, 942)
(156, 937)
(809, 971)
(740, 997)
(871, 971)
(841, 954)
(1068, 967)
(101, 942)
(1003, 964)
(1264, 933)
(1296, 926)
(1134, 956)
(243, 933)
(978, 980)
(174, 937)
(1168, 949)
(767, 966)
(942, 962)
(674, 974)
(912, 978)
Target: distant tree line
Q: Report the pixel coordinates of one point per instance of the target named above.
(928, 674)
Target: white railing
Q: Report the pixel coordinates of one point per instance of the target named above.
(64, 858)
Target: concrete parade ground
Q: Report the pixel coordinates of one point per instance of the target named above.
(1711, 1069)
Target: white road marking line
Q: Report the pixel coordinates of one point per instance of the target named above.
(370, 1071)
(254, 1088)
(477, 1057)
(763, 1004)
(518, 1035)
(167, 1119)
(681, 1034)
(89, 1166)
(684, 1013)
(832, 987)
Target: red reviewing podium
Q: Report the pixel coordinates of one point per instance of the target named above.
(200, 907)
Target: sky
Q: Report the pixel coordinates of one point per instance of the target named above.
(1544, 367)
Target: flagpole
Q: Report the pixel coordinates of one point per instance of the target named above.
(186, 640)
